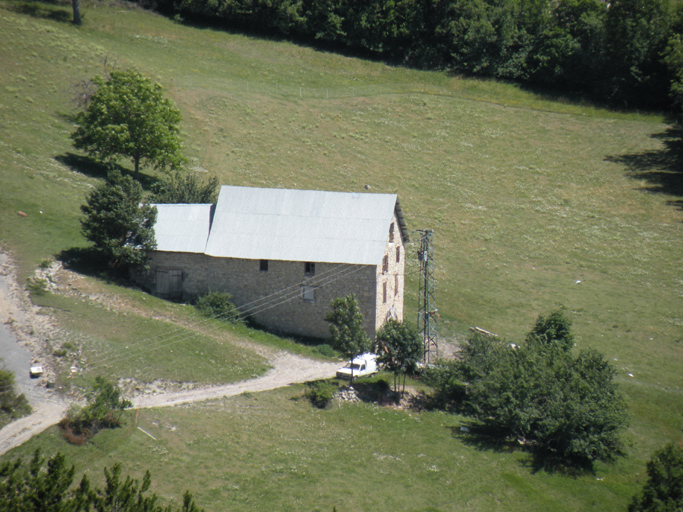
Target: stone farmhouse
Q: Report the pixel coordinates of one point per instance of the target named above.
(284, 255)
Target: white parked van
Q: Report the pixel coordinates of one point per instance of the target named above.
(362, 366)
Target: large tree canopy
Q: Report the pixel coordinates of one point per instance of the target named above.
(128, 116)
(118, 223)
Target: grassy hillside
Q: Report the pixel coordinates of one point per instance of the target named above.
(534, 204)
(274, 451)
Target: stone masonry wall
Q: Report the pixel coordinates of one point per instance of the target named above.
(393, 278)
(275, 297)
(285, 298)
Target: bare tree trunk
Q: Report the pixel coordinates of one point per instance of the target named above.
(76, 6)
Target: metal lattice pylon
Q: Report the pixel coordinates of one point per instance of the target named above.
(426, 305)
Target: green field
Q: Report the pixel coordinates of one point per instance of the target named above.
(535, 204)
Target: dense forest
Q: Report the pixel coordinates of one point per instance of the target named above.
(628, 53)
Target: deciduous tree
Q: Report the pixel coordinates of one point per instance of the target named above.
(399, 349)
(128, 116)
(346, 327)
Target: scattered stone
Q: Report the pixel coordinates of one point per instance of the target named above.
(347, 394)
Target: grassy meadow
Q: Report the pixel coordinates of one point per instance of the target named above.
(536, 203)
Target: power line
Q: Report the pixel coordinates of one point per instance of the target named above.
(127, 354)
(243, 309)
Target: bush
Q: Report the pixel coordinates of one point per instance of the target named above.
(12, 405)
(663, 491)
(103, 410)
(448, 389)
(555, 328)
(184, 188)
(564, 408)
(325, 350)
(218, 305)
(321, 393)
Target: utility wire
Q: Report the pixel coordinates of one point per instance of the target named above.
(244, 311)
(171, 341)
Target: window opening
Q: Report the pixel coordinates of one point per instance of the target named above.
(385, 264)
(398, 254)
(264, 266)
(308, 293)
(384, 292)
(391, 232)
(309, 268)
(395, 285)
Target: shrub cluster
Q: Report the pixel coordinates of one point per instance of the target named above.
(12, 404)
(321, 393)
(218, 305)
(663, 491)
(565, 408)
(103, 410)
(184, 187)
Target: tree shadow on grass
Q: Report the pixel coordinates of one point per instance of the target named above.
(662, 169)
(83, 260)
(375, 390)
(90, 167)
(84, 165)
(88, 261)
(483, 438)
(54, 10)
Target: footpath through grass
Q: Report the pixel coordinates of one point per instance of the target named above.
(534, 204)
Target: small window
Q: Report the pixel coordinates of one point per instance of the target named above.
(398, 254)
(308, 293)
(309, 268)
(391, 232)
(395, 285)
(385, 264)
(384, 292)
(264, 266)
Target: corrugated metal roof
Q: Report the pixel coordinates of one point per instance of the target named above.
(301, 225)
(182, 227)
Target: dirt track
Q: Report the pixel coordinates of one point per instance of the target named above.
(20, 342)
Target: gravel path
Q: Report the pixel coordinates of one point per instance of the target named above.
(20, 345)
(287, 369)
